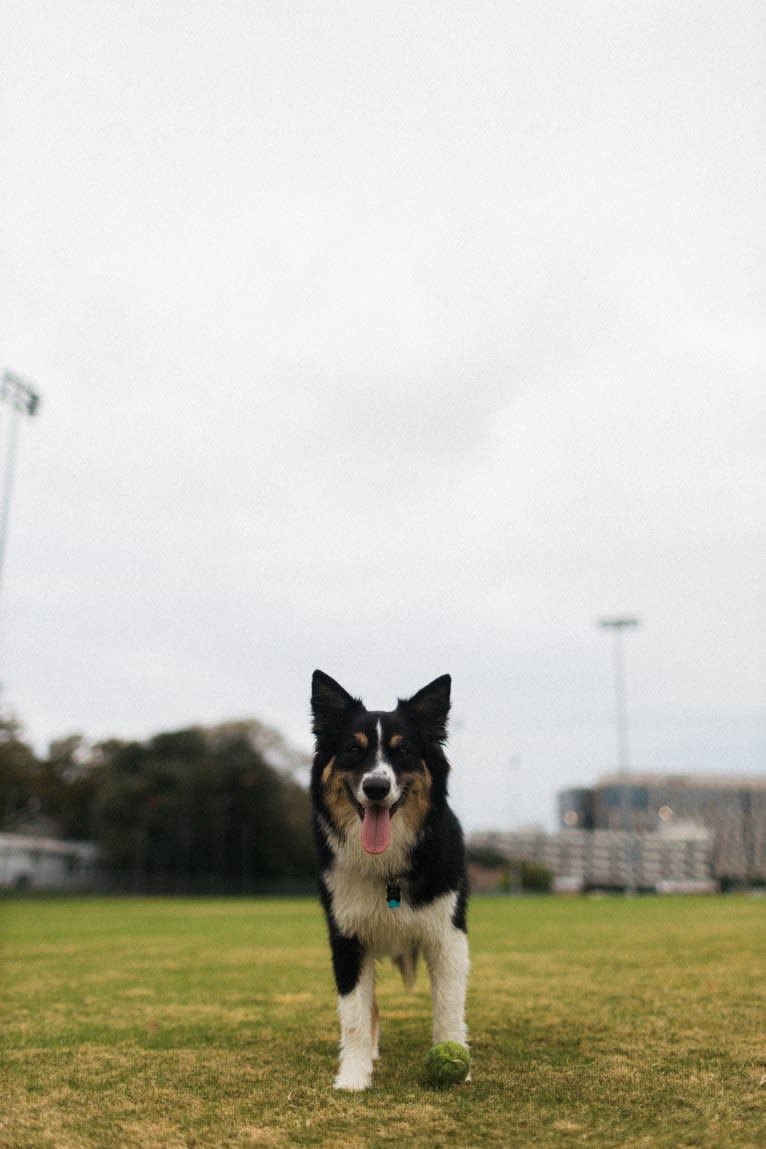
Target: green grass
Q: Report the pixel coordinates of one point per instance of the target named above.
(164, 1024)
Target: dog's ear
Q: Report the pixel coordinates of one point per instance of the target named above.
(430, 707)
(329, 702)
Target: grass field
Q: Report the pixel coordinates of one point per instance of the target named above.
(164, 1024)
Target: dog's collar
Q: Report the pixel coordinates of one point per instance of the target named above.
(393, 895)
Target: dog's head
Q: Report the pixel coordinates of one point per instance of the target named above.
(374, 766)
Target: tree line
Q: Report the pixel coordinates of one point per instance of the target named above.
(216, 808)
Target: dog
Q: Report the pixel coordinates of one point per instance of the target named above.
(391, 860)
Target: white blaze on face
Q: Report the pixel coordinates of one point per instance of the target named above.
(376, 826)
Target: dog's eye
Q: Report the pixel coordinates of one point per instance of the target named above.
(404, 749)
(354, 748)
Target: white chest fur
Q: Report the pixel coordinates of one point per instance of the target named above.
(360, 910)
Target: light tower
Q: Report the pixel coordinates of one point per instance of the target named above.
(23, 400)
(617, 626)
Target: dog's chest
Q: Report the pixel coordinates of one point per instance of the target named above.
(360, 909)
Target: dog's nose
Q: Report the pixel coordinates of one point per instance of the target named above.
(376, 789)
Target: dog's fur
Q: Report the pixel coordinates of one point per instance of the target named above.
(383, 829)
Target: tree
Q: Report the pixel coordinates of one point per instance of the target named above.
(202, 804)
(215, 805)
(19, 771)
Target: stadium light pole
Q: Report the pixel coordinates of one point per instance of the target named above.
(23, 400)
(617, 626)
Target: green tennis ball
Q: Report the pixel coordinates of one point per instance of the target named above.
(448, 1063)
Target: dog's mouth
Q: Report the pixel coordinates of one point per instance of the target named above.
(376, 823)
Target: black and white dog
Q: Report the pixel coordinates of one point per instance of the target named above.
(391, 860)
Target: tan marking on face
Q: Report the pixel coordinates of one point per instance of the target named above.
(418, 801)
(327, 771)
(337, 800)
(396, 740)
(362, 739)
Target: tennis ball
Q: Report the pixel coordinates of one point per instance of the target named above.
(448, 1063)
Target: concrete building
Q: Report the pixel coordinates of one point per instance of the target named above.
(661, 832)
(732, 809)
(673, 858)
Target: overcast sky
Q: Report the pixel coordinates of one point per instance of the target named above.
(393, 339)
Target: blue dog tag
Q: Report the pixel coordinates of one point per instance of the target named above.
(394, 895)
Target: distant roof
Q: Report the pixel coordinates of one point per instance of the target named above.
(14, 842)
(686, 781)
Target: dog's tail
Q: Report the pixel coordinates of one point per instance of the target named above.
(407, 964)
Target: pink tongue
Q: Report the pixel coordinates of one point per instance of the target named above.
(376, 829)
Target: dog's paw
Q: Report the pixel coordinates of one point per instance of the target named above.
(353, 1078)
(352, 1084)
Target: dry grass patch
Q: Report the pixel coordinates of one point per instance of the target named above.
(616, 1024)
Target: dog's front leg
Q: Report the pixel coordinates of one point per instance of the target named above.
(358, 1021)
(448, 967)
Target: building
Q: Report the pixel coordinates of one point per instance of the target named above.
(732, 809)
(662, 832)
(30, 862)
(672, 858)
(576, 808)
